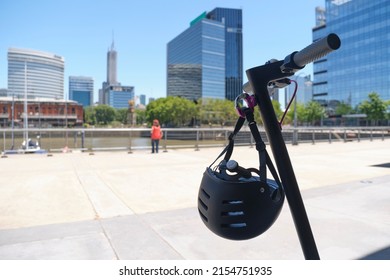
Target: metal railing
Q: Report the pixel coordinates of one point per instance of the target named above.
(106, 139)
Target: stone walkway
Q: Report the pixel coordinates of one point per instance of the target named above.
(115, 205)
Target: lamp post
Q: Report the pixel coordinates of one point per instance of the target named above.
(295, 132)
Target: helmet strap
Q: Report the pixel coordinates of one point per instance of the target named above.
(264, 157)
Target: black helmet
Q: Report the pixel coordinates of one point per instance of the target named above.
(233, 202)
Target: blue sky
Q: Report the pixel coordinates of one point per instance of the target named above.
(82, 30)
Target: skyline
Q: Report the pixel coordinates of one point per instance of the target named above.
(82, 32)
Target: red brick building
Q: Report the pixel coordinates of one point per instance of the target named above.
(41, 112)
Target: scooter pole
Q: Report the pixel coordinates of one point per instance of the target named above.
(259, 77)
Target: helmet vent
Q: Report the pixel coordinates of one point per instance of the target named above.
(232, 202)
(203, 216)
(206, 194)
(232, 214)
(204, 206)
(235, 225)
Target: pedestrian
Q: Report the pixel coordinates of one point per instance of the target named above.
(155, 134)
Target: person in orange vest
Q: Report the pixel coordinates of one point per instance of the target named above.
(156, 134)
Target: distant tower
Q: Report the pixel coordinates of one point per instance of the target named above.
(111, 65)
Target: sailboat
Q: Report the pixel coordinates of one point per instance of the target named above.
(28, 145)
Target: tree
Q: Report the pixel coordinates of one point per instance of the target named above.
(301, 115)
(217, 111)
(277, 109)
(313, 112)
(375, 108)
(172, 110)
(105, 114)
(121, 115)
(343, 109)
(140, 116)
(89, 115)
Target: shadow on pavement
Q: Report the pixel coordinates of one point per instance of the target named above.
(383, 254)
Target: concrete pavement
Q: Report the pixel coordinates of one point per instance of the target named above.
(115, 205)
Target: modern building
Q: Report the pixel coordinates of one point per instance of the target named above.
(205, 60)
(112, 65)
(81, 90)
(362, 64)
(232, 19)
(3, 92)
(35, 74)
(303, 92)
(112, 92)
(118, 96)
(142, 99)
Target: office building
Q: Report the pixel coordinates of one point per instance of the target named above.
(304, 90)
(232, 19)
(3, 92)
(361, 65)
(36, 74)
(118, 96)
(142, 99)
(81, 90)
(205, 60)
(112, 92)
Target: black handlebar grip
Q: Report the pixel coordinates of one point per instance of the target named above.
(316, 50)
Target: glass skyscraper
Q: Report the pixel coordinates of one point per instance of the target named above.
(205, 61)
(232, 19)
(362, 64)
(81, 90)
(39, 73)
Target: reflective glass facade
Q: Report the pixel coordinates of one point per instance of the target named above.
(232, 19)
(205, 61)
(119, 96)
(81, 90)
(43, 72)
(361, 65)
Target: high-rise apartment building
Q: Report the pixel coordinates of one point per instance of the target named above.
(81, 90)
(205, 60)
(362, 64)
(35, 73)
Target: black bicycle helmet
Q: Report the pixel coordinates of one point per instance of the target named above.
(238, 203)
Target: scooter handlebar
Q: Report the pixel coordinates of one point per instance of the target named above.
(316, 50)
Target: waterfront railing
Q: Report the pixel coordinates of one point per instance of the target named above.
(132, 139)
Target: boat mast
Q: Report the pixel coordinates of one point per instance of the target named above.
(25, 107)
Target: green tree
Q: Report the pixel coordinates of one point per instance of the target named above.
(313, 112)
(140, 116)
(343, 109)
(301, 115)
(105, 114)
(277, 109)
(375, 108)
(121, 115)
(172, 110)
(89, 115)
(217, 111)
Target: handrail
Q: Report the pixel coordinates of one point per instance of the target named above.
(116, 139)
